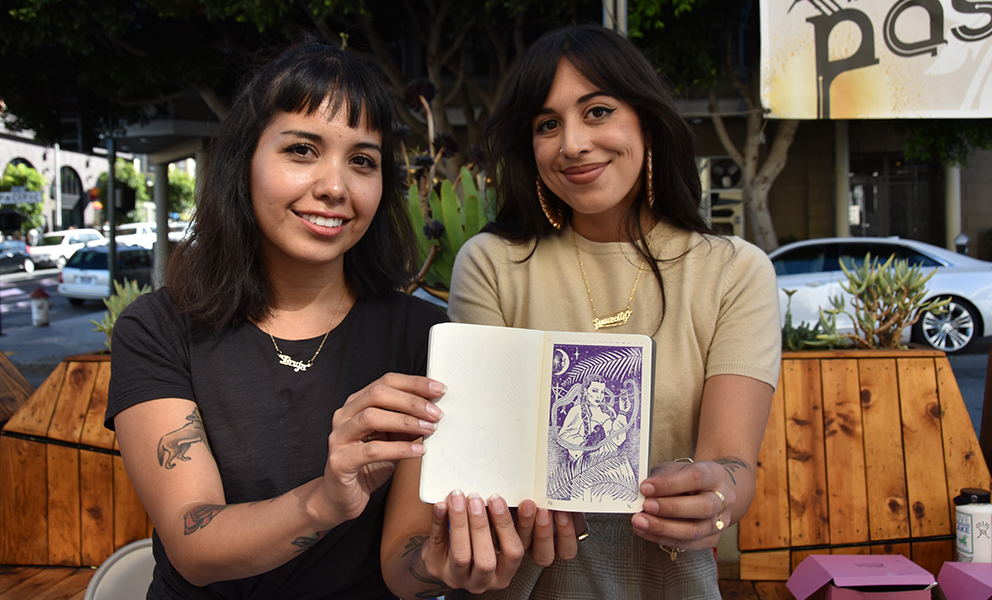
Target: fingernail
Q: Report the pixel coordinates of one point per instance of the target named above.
(427, 425)
(457, 499)
(562, 518)
(497, 504)
(475, 504)
(543, 517)
(417, 449)
(440, 509)
(437, 386)
(434, 411)
(526, 510)
(639, 522)
(647, 489)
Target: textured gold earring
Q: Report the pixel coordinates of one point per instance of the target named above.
(550, 211)
(649, 173)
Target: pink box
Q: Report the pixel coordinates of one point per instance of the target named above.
(966, 581)
(852, 577)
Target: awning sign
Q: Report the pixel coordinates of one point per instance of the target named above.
(19, 197)
(876, 59)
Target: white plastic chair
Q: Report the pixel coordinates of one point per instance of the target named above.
(125, 575)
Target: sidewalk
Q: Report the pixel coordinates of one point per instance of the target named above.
(36, 351)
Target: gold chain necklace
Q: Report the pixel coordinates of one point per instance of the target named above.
(612, 320)
(296, 365)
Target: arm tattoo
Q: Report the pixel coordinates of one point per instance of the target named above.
(200, 516)
(306, 541)
(438, 588)
(731, 465)
(173, 445)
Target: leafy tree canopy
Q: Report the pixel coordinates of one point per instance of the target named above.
(181, 188)
(128, 176)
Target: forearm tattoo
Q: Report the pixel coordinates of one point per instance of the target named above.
(306, 541)
(438, 588)
(200, 516)
(173, 445)
(731, 465)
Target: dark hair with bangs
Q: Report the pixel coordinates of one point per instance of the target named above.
(215, 276)
(615, 65)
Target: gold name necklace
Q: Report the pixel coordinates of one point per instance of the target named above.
(615, 319)
(297, 365)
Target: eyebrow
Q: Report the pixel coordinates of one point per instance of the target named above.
(314, 137)
(546, 111)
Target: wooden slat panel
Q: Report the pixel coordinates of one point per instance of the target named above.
(96, 491)
(735, 589)
(861, 354)
(36, 586)
(23, 502)
(851, 550)
(847, 493)
(72, 586)
(929, 507)
(888, 512)
(931, 555)
(34, 417)
(765, 566)
(130, 520)
(73, 402)
(94, 433)
(901, 548)
(13, 576)
(806, 460)
(963, 456)
(63, 506)
(772, 590)
(766, 524)
(14, 388)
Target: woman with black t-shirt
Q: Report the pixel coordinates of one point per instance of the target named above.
(263, 398)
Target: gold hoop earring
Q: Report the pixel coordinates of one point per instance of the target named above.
(550, 211)
(649, 174)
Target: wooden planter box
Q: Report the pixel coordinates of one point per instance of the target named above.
(64, 496)
(863, 454)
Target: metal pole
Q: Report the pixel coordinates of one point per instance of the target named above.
(58, 189)
(842, 166)
(615, 15)
(111, 213)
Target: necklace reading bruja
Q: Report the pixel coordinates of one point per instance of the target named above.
(615, 319)
(296, 365)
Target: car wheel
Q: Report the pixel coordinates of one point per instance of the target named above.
(60, 262)
(952, 331)
(28, 265)
(75, 301)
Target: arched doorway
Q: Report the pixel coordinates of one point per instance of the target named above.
(73, 198)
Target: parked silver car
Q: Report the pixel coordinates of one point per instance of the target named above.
(812, 268)
(86, 276)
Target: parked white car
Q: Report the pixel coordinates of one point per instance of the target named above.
(812, 268)
(136, 234)
(54, 249)
(87, 275)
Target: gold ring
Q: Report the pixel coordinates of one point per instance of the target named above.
(583, 536)
(722, 499)
(686, 460)
(672, 552)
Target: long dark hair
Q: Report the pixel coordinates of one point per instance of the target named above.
(613, 64)
(216, 276)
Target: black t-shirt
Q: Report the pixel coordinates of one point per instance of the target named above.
(267, 425)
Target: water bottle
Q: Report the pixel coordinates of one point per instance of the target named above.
(974, 525)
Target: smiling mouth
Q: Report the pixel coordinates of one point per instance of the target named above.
(323, 222)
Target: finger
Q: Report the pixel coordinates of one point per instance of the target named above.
(400, 393)
(581, 526)
(367, 424)
(542, 550)
(566, 546)
(483, 551)
(460, 549)
(511, 549)
(435, 552)
(526, 513)
(676, 479)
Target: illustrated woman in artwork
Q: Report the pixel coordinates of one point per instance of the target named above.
(598, 228)
(592, 434)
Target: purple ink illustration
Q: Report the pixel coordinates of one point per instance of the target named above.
(595, 425)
